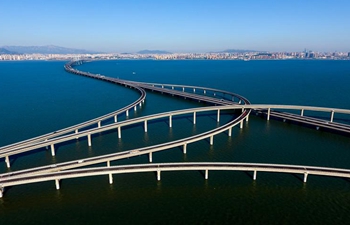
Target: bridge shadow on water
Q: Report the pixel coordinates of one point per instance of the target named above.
(14, 158)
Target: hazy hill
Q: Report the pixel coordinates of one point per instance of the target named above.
(153, 52)
(7, 52)
(47, 49)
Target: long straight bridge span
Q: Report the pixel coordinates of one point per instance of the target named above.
(163, 167)
(220, 101)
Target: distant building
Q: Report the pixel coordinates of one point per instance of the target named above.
(348, 54)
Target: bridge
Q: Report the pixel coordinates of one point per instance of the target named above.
(218, 100)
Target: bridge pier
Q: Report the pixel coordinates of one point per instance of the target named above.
(119, 132)
(135, 108)
(214, 94)
(1, 192)
(183, 89)
(305, 177)
(254, 175)
(99, 124)
(127, 112)
(145, 125)
(211, 140)
(170, 121)
(302, 112)
(218, 116)
(150, 157)
(268, 113)
(185, 148)
(230, 132)
(194, 90)
(110, 177)
(52, 149)
(89, 140)
(194, 117)
(332, 116)
(204, 91)
(115, 118)
(7, 160)
(241, 124)
(140, 104)
(76, 132)
(57, 182)
(206, 174)
(158, 175)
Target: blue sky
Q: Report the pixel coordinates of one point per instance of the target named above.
(178, 25)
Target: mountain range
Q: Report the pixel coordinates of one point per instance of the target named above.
(47, 49)
(153, 52)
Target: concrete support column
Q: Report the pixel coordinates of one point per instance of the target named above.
(302, 112)
(89, 140)
(204, 91)
(332, 116)
(158, 175)
(214, 94)
(230, 132)
(76, 132)
(115, 118)
(185, 148)
(162, 86)
(140, 104)
(211, 140)
(170, 121)
(194, 90)
(57, 182)
(7, 160)
(254, 175)
(218, 116)
(127, 112)
(99, 124)
(268, 113)
(183, 89)
(233, 98)
(194, 117)
(1, 192)
(52, 150)
(135, 108)
(172, 87)
(206, 174)
(145, 125)
(110, 177)
(305, 177)
(241, 124)
(119, 132)
(150, 157)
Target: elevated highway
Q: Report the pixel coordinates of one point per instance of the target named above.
(163, 167)
(219, 101)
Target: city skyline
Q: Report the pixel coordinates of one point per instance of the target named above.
(180, 26)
